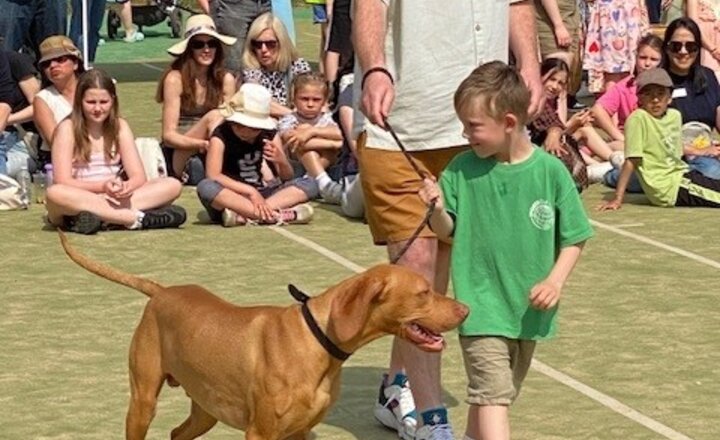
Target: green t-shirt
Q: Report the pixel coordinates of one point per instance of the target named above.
(510, 223)
(657, 141)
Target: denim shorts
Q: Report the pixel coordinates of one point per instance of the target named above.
(319, 14)
(208, 189)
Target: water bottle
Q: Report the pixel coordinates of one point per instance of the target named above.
(48, 175)
(23, 178)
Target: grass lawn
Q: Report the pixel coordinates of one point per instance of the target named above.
(638, 335)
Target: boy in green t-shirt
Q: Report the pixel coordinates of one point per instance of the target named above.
(518, 228)
(653, 147)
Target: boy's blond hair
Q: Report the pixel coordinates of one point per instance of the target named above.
(496, 86)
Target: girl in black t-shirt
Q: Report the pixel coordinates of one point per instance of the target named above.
(235, 192)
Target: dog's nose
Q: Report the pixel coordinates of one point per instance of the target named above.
(461, 310)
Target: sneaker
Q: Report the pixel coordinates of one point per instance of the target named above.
(442, 431)
(332, 193)
(171, 216)
(299, 215)
(230, 218)
(134, 36)
(85, 223)
(395, 407)
(596, 171)
(617, 158)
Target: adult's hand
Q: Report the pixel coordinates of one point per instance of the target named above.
(378, 95)
(537, 92)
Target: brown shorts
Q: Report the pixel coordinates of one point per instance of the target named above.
(390, 184)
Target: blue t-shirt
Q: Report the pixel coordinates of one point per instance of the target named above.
(696, 105)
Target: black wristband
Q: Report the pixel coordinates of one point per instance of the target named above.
(373, 70)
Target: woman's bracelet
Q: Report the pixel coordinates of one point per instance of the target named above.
(373, 70)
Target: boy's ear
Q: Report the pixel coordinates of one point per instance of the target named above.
(511, 121)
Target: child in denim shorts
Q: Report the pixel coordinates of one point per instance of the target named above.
(518, 228)
(249, 179)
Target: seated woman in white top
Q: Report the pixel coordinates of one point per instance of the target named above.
(60, 64)
(98, 175)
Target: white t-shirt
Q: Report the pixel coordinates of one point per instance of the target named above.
(58, 105)
(430, 47)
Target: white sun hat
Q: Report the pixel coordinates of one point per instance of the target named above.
(199, 25)
(250, 107)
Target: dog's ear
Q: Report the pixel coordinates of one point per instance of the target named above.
(351, 309)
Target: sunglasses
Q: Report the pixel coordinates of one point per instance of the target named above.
(59, 60)
(258, 44)
(677, 46)
(199, 44)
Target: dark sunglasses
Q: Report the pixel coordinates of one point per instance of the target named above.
(60, 60)
(676, 46)
(258, 44)
(199, 44)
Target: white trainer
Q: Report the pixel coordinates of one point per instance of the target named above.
(596, 171)
(395, 408)
(442, 431)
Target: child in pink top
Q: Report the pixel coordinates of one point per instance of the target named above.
(613, 108)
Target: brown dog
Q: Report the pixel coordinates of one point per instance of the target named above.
(261, 369)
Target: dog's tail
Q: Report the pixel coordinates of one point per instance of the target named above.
(148, 287)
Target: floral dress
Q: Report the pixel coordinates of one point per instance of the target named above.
(614, 29)
(277, 82)
(708, 13)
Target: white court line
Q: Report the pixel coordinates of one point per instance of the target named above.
(564, 379)
(650, 241)
(630, 225)
(150, 66)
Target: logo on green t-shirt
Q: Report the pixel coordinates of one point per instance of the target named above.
(542, 215)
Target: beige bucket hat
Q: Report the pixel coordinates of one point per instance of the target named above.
(199, 25)
(250, 107)
(56, 47)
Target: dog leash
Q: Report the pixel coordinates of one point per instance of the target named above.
(322, 338)
(422, 175)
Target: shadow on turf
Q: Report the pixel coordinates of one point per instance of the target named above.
(353, 412)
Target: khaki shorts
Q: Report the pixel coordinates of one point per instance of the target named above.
(546, 33)
(392, 205)
(495, 367)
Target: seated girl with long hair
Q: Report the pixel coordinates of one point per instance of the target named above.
(97, 172)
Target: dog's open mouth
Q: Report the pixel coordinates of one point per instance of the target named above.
(424, 338)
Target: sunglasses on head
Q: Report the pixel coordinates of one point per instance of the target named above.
(199, 44)
(258, 44)
(677, 46)
(60, 60)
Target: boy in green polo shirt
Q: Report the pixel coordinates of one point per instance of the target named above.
(518, 228)
(653, 147)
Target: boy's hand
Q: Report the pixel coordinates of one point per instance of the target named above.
(430, 192)
(545, 295)
(612, 205)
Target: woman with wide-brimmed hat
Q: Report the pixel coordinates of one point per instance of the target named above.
(60, 64)
(193, 84)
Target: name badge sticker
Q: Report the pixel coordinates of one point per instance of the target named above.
(679, 93)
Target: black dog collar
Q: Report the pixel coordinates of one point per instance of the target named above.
(322, 338)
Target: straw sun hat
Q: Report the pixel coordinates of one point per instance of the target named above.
(199, 25)
(250, 107)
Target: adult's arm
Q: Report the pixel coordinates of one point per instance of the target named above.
(523, 44)
(369, 29)
(7, 86)
(562, 36)
(44, 119)
(204, 6)
(29, 86)
(171, 116)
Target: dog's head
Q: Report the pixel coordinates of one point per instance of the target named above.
(395, 300)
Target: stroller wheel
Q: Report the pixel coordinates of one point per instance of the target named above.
(175, 22)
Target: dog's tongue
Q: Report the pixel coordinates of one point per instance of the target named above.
(437, 344)
(430, 341)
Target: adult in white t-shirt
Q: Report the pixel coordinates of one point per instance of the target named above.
(412, 55)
